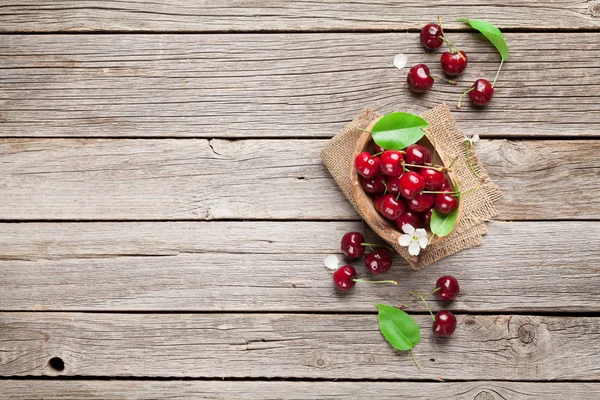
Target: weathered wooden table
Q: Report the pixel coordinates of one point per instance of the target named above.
(165, 213)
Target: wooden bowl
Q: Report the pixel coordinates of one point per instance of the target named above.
(385, 228)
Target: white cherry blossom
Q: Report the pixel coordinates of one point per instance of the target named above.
(414, 239)
(471, 140)
(332, 262)
(400, 61)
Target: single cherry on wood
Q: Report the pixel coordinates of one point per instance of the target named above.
(344, 278)
(482, 92)
(454, 63)
(411, 183)
(431, 36)
(366, 165)
(419, 79)
(444, 324)
(391, 162)
(417, 154)
(352, 244)
(448, 288)
(379, 261)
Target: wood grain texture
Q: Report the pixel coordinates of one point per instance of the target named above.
(264, 390)
(282, 85)
(278, 266)
(59, 179)
(296, 15)
(296, 345)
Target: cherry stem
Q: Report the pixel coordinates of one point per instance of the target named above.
(414, 359)
(434, 291)
(419, 295)
(448, 42)
(450, 81)
(452, 163)
(469, 161)
(437, 168)
(429, 242)
(378, 154)
(376, 282)
(386, 189)
(376, 245)
(440, 191)
(497, 72)
(463, 95)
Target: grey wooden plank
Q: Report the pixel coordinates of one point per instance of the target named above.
(296, 15)
(145, 390)
(282, 85)
(522, 267)
(514, 347)
(50, 179)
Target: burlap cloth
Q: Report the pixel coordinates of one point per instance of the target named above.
(450, 141)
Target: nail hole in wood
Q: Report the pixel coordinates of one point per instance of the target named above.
(57, 364)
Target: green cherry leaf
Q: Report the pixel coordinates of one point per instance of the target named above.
(442, 225)
(398, 130)
(493, 34)
(398, 327)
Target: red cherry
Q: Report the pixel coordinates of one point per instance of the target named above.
(431, 36)
(434, 179)
(411, 183)
(379, 261)
(391, 162)
(454, 64)
(417, 154)
(421, 202)
(343, 278)
(418, 78)
(427, 216)
(391, 208)
(367, 165)
(447, 184)
(408, 218)
(393, 184)
(377, 203)
(445, 203)
(377, 148)
(482, 92)
(374, 185)
(352, 244)
(449, 288)
(445, 324)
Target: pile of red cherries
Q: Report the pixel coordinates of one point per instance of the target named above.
(453, 62)
(405, 186)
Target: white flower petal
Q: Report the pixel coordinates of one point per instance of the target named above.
(475, 139)
(332, 262)
(421, 233)
(423, 242)
(400, 61)
(414, 249)
(408, 229)
(404, 240)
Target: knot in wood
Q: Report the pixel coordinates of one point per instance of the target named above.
(595, 10)
(527, 333)
(485, 395)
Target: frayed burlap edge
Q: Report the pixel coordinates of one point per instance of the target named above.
(450, 141)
